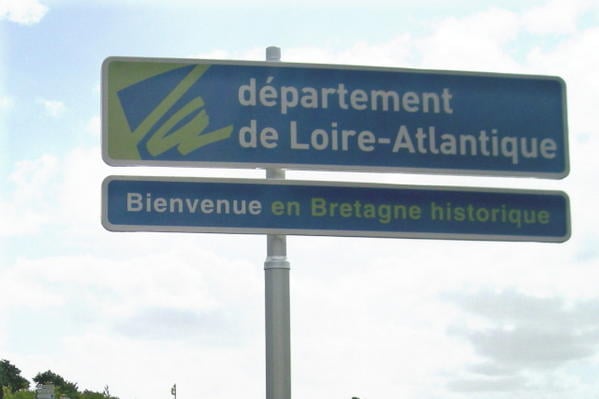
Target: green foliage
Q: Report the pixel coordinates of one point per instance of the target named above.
(69, 389)
(10, 376)
(49, 377)
(97, 395)
(22, 394)
(61, 386)
(91, 395)
(13, 386)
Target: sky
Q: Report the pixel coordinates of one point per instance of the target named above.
(372, 318)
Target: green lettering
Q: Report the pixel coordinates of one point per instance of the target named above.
(384, 213)
(277, 208)
(544, 217)
(318, 207)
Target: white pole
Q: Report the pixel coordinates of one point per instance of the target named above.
(276, 283)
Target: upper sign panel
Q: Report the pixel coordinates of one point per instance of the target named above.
(169, 112)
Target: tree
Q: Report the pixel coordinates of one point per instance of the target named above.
(10, 377)
(87, 394)
(49, 377)
(22, 394)
(62, 386)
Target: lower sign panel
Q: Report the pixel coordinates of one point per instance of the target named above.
(332, 209)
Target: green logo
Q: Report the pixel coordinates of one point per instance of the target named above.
(151, 110)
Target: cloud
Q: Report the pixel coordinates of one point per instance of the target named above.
(589, 250)
(491, 369)
(291, 4)
(174, 294)
(556, 16)
(21, 223)
(523, 339)
(94, 126)
(448, 44)
(503, 384)
(25, 12)
(26, 209)
(477, 41)
(26, 290)
(176, 324)
(52, 108)
(533, 348)
(398, 50)
(6, 103)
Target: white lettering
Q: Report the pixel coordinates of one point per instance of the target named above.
(287, 97)
(403, 140)
(295, 144)
(138, 202)
(134, 202)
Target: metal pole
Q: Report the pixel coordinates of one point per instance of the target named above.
(276, 283)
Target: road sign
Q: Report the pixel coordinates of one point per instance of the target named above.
(332, 209)
(169, 112)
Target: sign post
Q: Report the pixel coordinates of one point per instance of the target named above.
(277, 306)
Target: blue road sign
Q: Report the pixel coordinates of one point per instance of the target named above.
(169, 112)
(332, 209)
